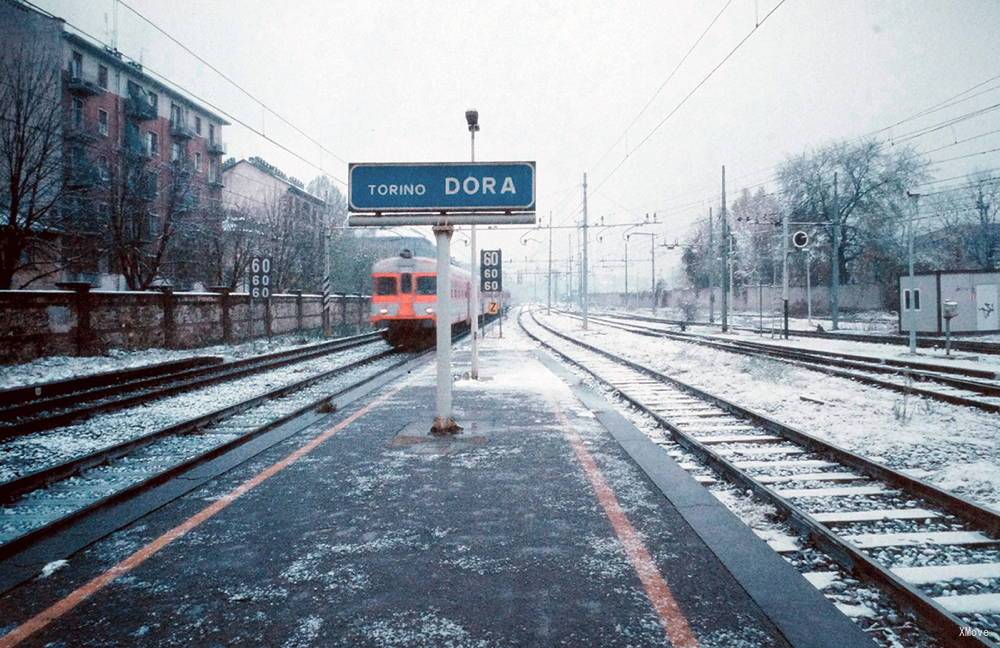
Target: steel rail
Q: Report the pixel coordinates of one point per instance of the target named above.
(158, 387)
(825, 363)
(939, 620)
(972, 346)
(12, 489)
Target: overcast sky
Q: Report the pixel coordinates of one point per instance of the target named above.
(559, 82)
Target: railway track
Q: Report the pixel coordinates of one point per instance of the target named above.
(926, 342)
(957, 385)
(936, 554)
(47, 406)
(36, 504)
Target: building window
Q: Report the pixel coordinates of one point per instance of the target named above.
(152, 144)
(78, 112)
(175, 152)
(76, 65)
(102, 122)
(133, 89)
(197, 125)
(102, 76)
(916, 299)
(103, 168)
(211, 133)
(175, 114)
(154, 101)
(153, 225)
(197, 161)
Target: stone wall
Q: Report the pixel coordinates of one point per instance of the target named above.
(79, 321)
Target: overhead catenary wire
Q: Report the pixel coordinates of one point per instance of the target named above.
(176, 87)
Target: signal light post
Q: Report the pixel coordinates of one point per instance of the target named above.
(472, 119)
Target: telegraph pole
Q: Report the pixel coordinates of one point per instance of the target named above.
(711, 269)
(835, 266)
(548, 307)
(784, 268)
(652, 259)
(583, 285)
(725, 256)
(626, 272)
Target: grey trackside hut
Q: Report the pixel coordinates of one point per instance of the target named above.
(975, 293)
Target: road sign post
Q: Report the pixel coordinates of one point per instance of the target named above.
(491, 277)
(442, 194)
(260, 288)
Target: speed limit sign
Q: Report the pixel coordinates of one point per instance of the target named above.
(260, 277)
(490, 271)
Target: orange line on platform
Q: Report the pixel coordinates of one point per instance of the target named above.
(672, 619)
(63, 606)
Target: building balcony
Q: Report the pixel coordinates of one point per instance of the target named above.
(138, 107)
(135, 147)
(77, 84)
(80, 132)
(180, 131)
(81, 175)
(216, 183)
(216, 148)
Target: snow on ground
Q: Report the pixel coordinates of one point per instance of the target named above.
(61, 367)
(954, 447)
(878, 351)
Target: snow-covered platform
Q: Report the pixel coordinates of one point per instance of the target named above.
(550, 521)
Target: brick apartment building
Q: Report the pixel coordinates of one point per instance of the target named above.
(287, 220)
(136, 154)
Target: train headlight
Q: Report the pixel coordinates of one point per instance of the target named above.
(383, 311)
(429, 310)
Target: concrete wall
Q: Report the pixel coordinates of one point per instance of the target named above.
(753, 298)
(36, 323)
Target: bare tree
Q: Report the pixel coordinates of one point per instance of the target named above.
(863, 214)
(32, 180)
(970, 236)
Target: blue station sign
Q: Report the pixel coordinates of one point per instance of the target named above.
(441, 187)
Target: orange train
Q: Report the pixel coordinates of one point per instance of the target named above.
(404, 299)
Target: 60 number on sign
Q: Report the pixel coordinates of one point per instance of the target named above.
(260, 278)
(490, 271)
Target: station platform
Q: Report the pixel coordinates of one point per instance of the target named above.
(550, 521)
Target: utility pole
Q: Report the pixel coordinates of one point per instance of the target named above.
(909, 247)
(626, 272)
(784, 268)
(583, 285)
(711, 269)
(809, 292)
(835, 265)
(652, 260)
(569, 272)
(548, 308)
(725, 256)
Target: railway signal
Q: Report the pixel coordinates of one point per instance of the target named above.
(800, 239)
(260, 288)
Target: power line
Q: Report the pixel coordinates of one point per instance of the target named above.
(182, 90)
(230, 80)
(694, 90)
(665, 82)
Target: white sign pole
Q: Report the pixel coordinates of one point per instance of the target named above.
(474, 288)
(444, 423)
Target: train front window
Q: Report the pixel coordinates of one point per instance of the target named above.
(426, 285)
(385, 285)
(406, 283)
